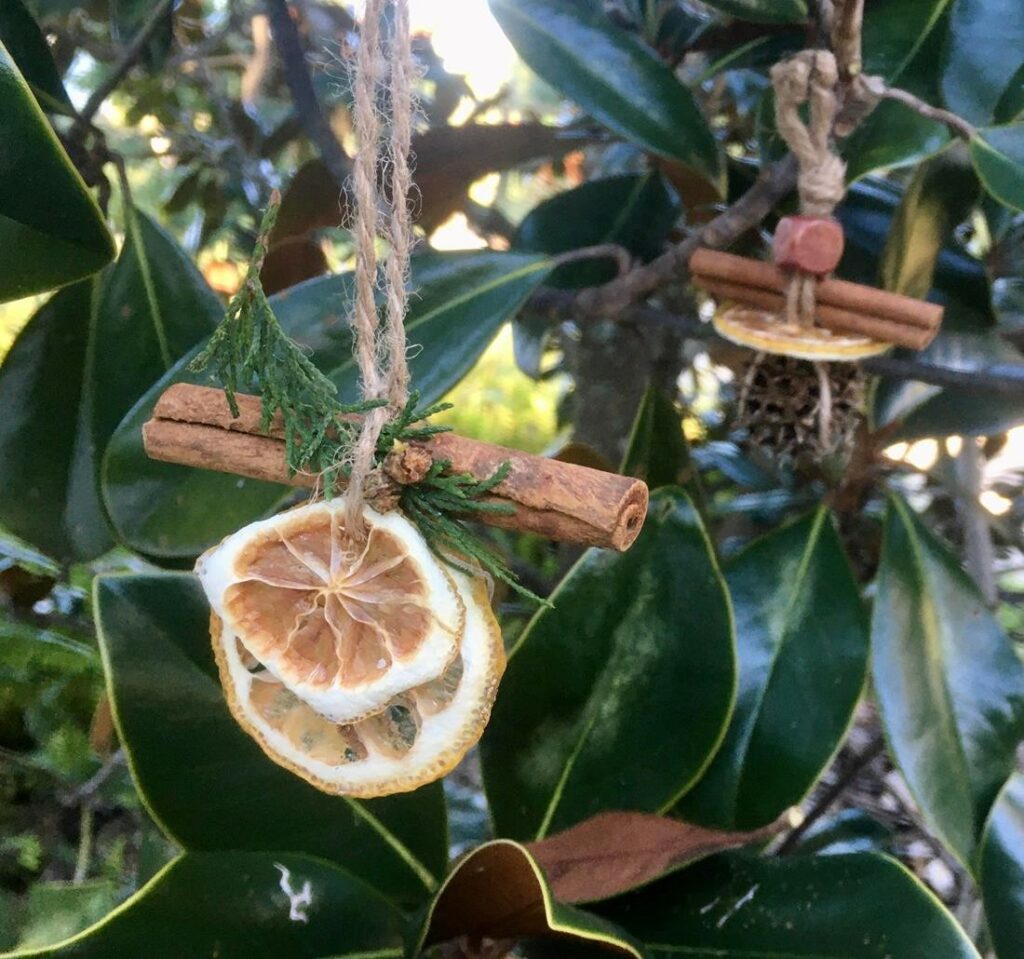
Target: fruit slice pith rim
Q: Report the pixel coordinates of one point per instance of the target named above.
(421, 736)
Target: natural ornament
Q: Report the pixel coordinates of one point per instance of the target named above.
(791, 308)
(354, 636)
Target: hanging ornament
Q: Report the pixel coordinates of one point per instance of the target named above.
(792, 307)
(354, 635)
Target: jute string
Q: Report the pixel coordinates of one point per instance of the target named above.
(810, 77)
(380, 348)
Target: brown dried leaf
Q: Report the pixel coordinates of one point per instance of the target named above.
(617, 851)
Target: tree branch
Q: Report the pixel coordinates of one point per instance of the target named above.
(300, 83)
(1005, 378)
(128, 59)
(957, 124)
(774, 184)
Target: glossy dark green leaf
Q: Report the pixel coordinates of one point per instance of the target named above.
(900, 39)
(802, 644)
(243, 906)
(51, 231)
(950, 688)
(635, 211)
(1011, 104)
(920, 259)
(925, 410)
(499, 892)
(658, 451)
(206, 782)
(998, 154)
(1002, 871)
(154, 307)
(896, 31)
(983, 53)
(851, 830)
(601, 707)
(28, 48)
(763, 11)
(614, 76)
(462, 301)
(861, 906)
(47, 469)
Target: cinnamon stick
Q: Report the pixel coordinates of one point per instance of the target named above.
(841, 294)
(192, 426)
(829, 317)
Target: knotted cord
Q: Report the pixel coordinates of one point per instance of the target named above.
(810, 77)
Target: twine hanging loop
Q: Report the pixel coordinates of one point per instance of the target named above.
(383, 74)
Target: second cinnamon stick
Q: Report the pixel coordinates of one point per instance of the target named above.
(840, 294)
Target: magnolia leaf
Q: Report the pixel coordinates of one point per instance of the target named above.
(861, 906)
(47, 460)
(983, 54)
(51, 230)
(998, 155)
(243, 906)
(206, 783)
(802, 642)
(614, 76)
(590, 717)
(498, 891)
(615, 852)
(28, 48)
(154, 307)
(635, 212)
(1002, 870)
(949, 685)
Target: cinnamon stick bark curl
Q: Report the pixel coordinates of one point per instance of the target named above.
(192, 426)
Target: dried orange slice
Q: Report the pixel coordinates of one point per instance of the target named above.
(767, 332)
(346, 631)
(421, 735)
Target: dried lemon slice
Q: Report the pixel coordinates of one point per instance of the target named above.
(344, 630)
(421, 735)
(767, 332)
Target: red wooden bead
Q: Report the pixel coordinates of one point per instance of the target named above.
(813, 244)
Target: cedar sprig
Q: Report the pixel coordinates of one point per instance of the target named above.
(250, 350)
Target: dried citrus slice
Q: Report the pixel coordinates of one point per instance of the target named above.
(344, 630)
(766, 332)
(421, 735)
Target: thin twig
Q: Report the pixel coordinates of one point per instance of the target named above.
(604, 251)
(300, 83)
(128, 60)
(833, 793)
(957, 124)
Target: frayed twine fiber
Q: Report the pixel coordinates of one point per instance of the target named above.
(380, 348)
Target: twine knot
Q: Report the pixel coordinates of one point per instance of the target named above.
(811, 77)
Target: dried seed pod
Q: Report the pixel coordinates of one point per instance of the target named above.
(800, 413)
